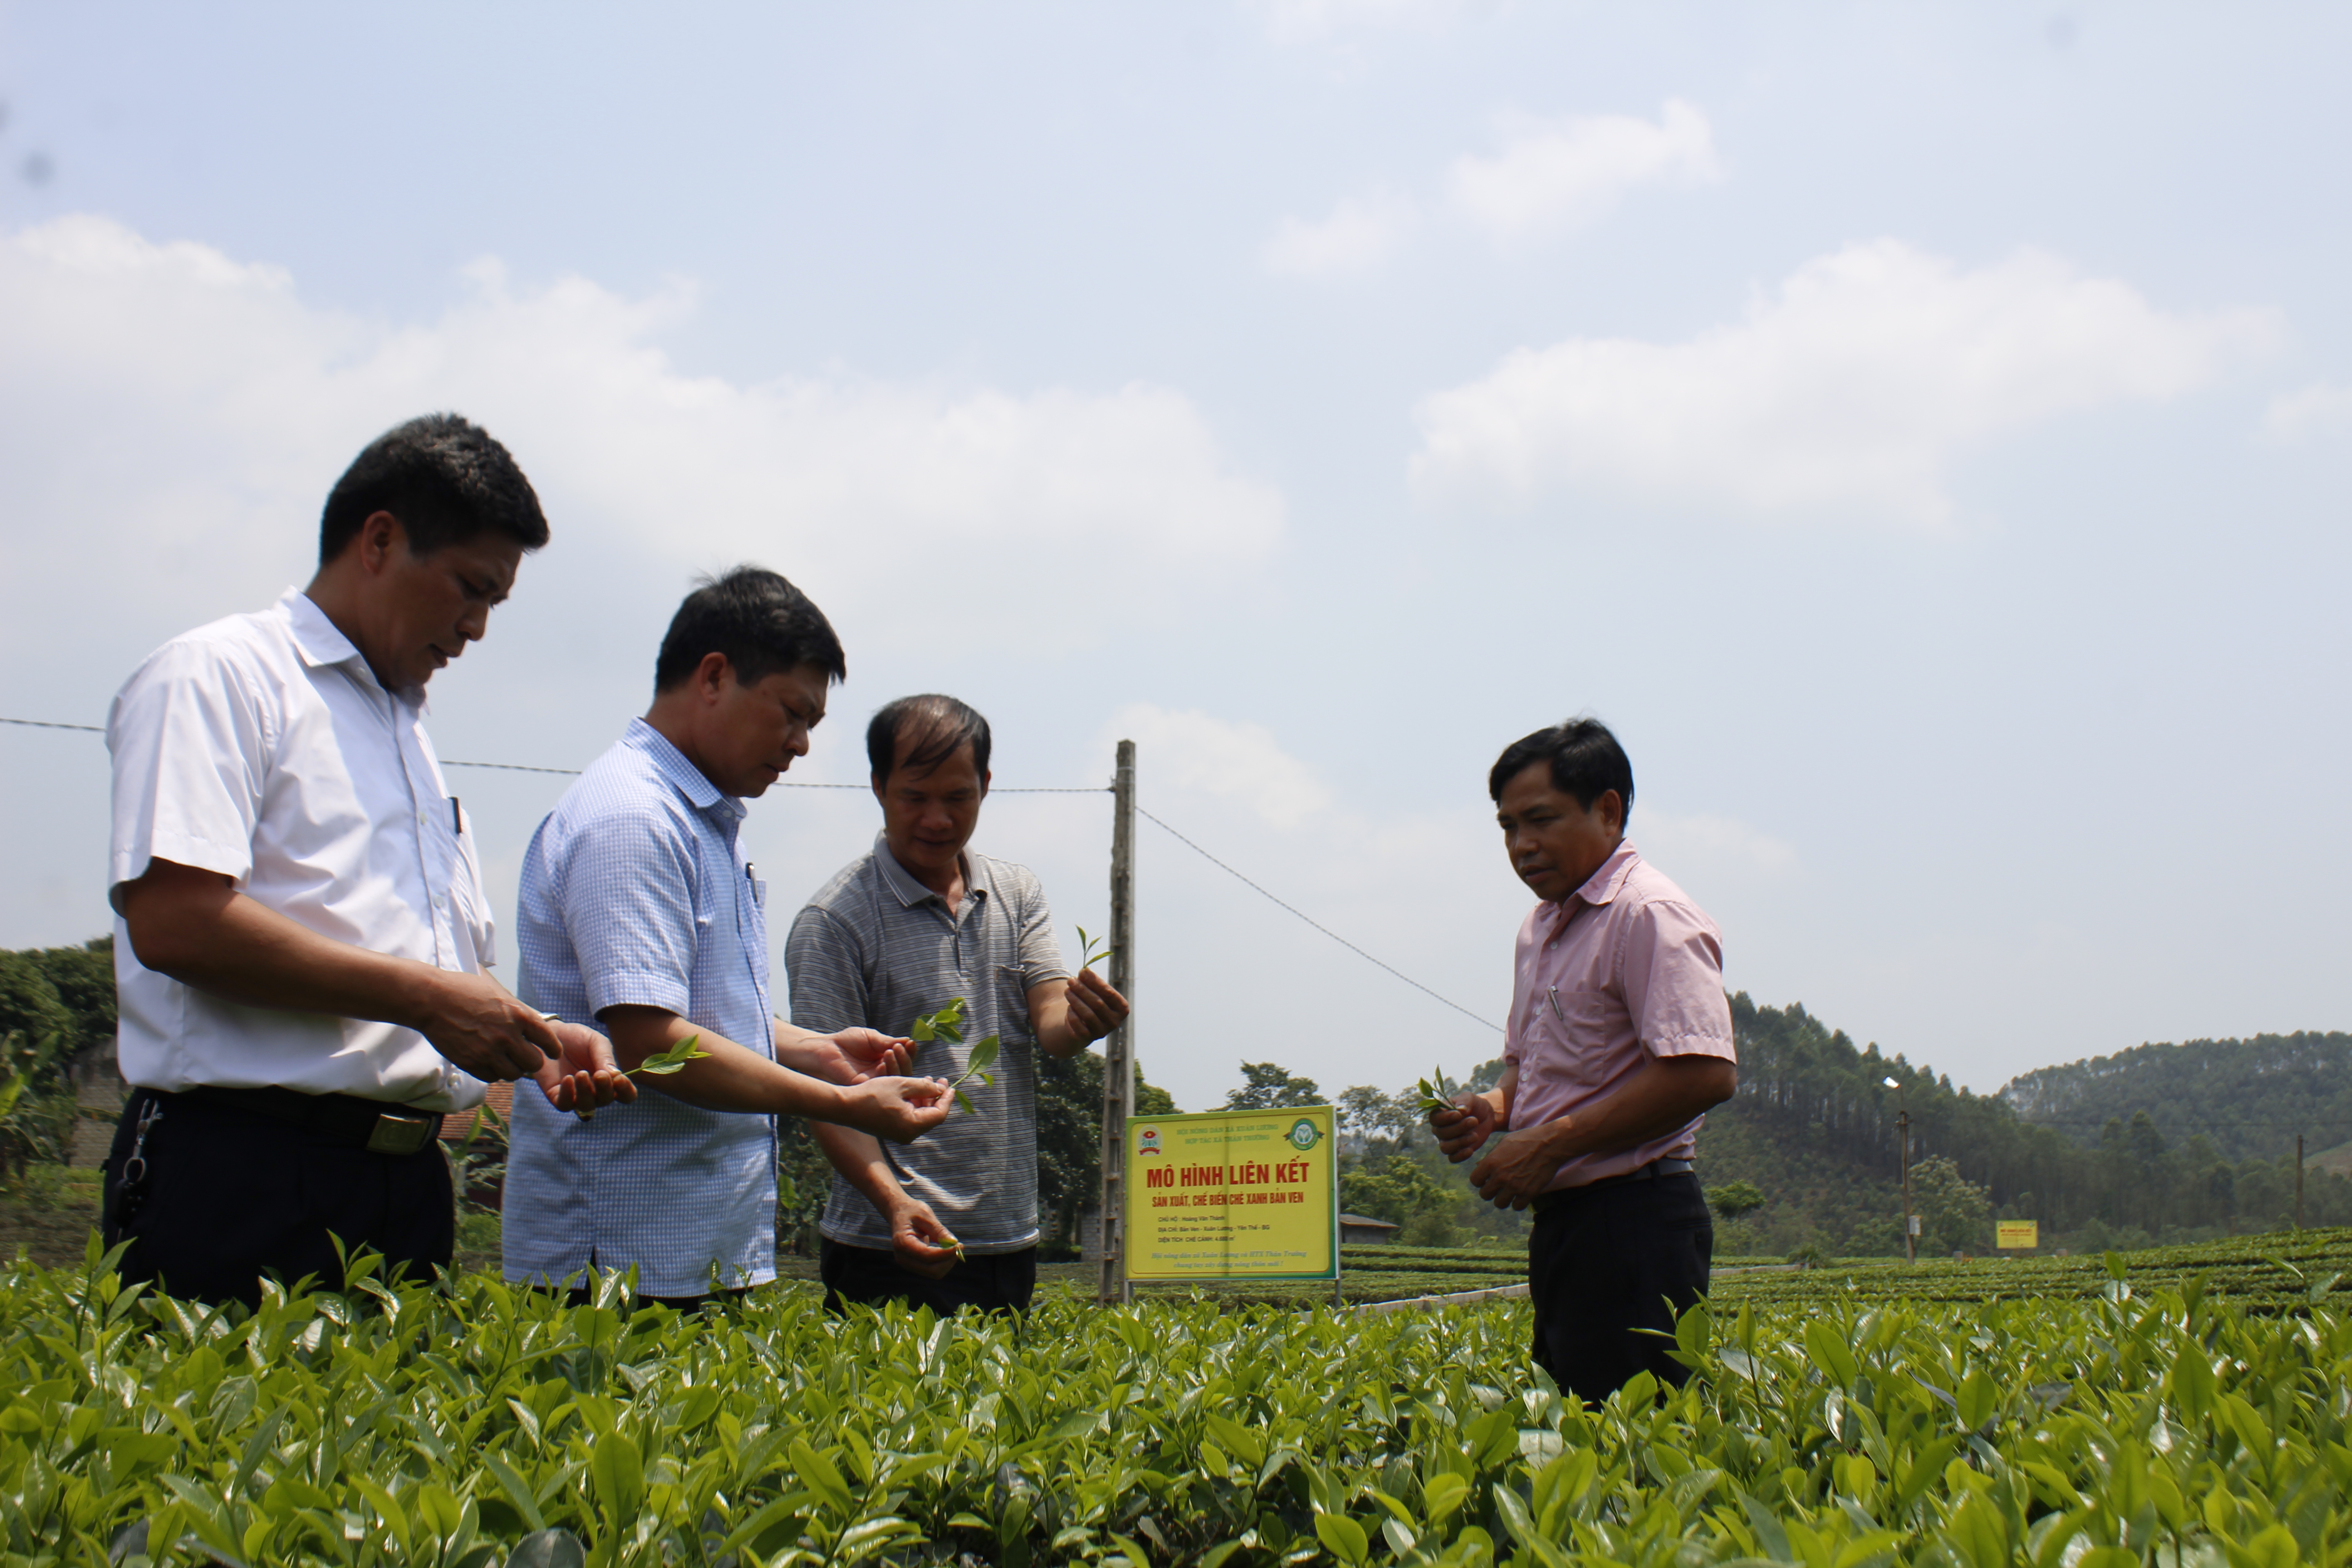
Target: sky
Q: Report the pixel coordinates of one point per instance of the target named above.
(1923, 432)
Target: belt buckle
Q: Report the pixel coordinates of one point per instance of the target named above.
(399, 1134)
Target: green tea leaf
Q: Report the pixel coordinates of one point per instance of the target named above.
(662, 1063)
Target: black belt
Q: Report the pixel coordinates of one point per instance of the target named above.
(345, 1119)
(1649, 1173)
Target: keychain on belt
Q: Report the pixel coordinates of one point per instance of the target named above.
(130, 1189)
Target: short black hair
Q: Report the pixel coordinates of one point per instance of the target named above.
(446, 480)
(940, 725)
(1586, 761)
(761, 622)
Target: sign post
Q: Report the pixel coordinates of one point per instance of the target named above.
(2017, 1234)
(1233, 1195)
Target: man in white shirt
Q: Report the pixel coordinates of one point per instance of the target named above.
(301, 934)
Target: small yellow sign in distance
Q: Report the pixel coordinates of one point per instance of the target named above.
(2022, 1234)
(1233, 1194)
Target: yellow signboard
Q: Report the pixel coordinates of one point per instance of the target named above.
(2023, 1234)
(1233, 1195)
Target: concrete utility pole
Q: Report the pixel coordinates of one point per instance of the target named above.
(1119, 1047)
(1903, 1132)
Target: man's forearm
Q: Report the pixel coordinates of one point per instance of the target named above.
(858, 1157)
(196, 928)
(728, 1077)
(1664, 1095)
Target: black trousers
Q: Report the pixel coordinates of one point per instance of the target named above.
(996, 1282)
(1605, 1261)
(231, 1197)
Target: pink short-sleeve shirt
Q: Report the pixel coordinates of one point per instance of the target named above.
(1625, 969)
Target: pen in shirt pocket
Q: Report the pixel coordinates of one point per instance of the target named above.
(1555, 1004)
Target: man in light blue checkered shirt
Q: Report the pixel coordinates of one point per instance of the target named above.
(637, 908)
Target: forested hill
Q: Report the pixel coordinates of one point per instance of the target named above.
(1813, 1128)
(2249, 1098)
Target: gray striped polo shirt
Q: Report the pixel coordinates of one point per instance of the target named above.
(878, 948)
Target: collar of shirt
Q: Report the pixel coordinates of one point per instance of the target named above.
(1607, 879)
(684, 776)
(320, 642)
(910, 891)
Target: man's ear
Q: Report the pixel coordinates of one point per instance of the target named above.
(380, 539)
(985, 780)
(711, 675)
(1612, 810)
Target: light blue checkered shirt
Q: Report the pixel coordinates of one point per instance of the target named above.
(634, 890)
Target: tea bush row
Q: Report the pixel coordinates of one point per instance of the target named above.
(438, 1425)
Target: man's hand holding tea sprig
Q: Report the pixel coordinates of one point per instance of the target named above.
(1461, 1119)
(838, 1077)
(1087, 1009)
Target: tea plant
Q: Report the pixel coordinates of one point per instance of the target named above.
(947, 1024)
(395, 1423)
(1434, 1097)
(1088, 956)
(661, 1064)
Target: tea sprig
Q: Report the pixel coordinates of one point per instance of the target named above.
(1088, 956)
(661, 1064)
(947, 1024)
(1432, 1100)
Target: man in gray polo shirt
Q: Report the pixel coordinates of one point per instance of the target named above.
(950, 1221)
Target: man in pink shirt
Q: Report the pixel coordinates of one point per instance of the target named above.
(1619, 1040)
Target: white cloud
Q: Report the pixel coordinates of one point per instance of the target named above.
(1316, 21)
(1708, 842)
(167, 405)
(1853, 388)
(1360, 233)
(1557, 174)
(2313, 410)
(1195, 752)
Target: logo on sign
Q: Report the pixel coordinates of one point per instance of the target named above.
(1148, 1141)
(1303, 1135)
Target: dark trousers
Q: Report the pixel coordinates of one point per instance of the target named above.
(1607, 1260)
(996, 1282)
(230, 1196)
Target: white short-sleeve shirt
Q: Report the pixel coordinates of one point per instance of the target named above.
(261, 747)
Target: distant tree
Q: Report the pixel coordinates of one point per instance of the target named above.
(1733, 1199)
(1268, 1086)
(38, 1034)
(83, 979)
(1069, 1136)
(1398, 1191)
(1955, 1213)
(1363, 1112)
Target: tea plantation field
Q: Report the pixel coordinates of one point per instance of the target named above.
(2193, 1412)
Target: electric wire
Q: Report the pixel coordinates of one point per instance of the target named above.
(1006, 789)
(1319, 925)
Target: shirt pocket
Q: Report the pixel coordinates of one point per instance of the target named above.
(1577, 1031)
